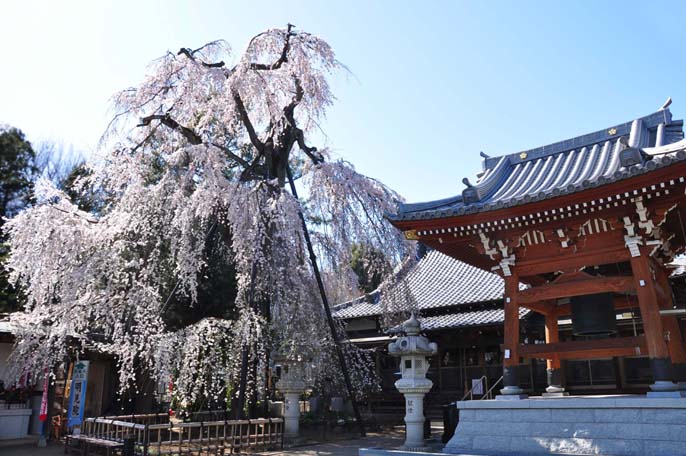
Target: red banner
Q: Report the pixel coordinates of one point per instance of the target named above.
(44, 402)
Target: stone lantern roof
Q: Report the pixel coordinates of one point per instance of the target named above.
(412, 327)
(412, 343)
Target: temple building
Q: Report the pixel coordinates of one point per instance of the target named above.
(582, 233)
(589, 224)
(461, 307)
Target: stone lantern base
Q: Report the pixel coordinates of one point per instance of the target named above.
(414, 414)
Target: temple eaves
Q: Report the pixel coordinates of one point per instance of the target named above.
(602, 157)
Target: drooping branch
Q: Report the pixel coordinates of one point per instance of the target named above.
(189, 134)
(311, 152)
(190, 54)
(283, 58)
(289, 114)
(235, 157)
(166, 120)
(87, 219)
(246, 121)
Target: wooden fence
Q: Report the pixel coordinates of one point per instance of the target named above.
(153, 436)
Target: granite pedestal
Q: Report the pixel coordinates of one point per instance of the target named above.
(605, 425)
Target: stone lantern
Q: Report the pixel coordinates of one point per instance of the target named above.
(292, 385)
(413, 351)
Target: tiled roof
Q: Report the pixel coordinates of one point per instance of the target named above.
(436, 281)
(598, 158)
(471, 318)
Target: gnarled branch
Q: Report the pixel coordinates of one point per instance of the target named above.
(190, 54)
(283, 58)
(166, 120)
(189, 134)
(246, 121)
(235, 157)
(289, 114)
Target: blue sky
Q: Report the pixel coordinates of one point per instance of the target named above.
(433, 83)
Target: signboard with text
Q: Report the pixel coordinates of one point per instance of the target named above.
(77, 395)
(477, 387)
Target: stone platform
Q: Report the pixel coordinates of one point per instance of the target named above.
(577, 425)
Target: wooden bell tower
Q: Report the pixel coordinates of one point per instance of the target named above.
(601, 215)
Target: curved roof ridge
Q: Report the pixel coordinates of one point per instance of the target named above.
(600, 136)
(563, 167)
(415, 207)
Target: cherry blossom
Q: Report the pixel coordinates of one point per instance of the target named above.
(197, 145)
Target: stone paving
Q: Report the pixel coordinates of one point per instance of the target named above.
(388, 439)
(28, 447)
(341, 448)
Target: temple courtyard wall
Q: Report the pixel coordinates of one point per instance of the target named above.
(608, 425)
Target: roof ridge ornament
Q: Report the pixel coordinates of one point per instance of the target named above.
(666, 104)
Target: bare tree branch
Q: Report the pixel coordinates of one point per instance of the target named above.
(190, 54)
(188, 133)
(246, 122)
(228, 152)
(166, 120)
(76, 214)
(147, 137)
(311, 152)
(289, 114)
(283, 58)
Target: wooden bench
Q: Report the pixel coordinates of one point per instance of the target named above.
(86, 445)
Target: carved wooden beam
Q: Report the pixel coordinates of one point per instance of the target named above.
(554, 263)
(586, 349)
(543, 308)
(578, 287)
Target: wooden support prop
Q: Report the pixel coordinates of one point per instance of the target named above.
(586, 349)
(581, 286)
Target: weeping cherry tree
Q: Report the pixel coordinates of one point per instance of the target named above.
(197, 146)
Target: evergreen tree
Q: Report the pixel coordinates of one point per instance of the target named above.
(17, 172)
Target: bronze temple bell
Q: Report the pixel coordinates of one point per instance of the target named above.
(593, 315)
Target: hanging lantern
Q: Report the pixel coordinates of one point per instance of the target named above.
(593, 315)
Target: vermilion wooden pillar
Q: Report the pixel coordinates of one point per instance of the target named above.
(648, 302)
(675, 341)
(677, 352)
(553, 364)
(511, 343)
